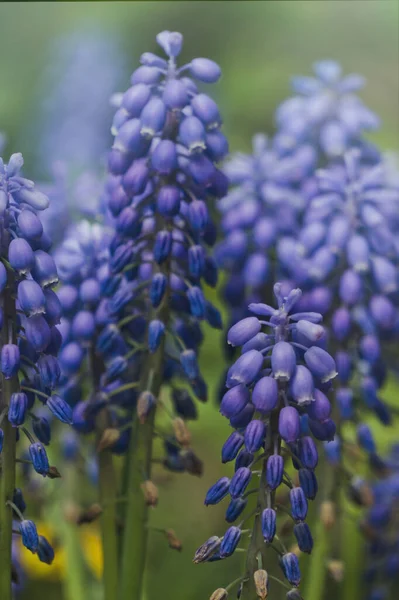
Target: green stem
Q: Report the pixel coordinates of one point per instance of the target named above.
(7, 474)
(108, 492)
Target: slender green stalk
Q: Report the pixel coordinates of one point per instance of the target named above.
(353, 558)
(7, 474)
(108, 493)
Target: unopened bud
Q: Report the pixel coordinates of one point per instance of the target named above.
(53, 473)
(173, 540)
(150, 492)
(219, 594)
(145, 403)
(182, 433)
(327, 514)
(261, 580)
(109, 437)
(336, 569)
(193, 464)
(89, 515)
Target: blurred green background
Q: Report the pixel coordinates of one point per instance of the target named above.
(259, 45)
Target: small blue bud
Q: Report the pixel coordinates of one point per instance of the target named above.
(234, 401)
(31, 298)
(38, 332)
(324, 431)
(162, 246)
(344, 399)
(49, 370)
(196, 261)
(265, 395)
(235, 508)
(122, 257)
(183, 404)
(350, 287)
(283, 361)
(175, 94)
(156, 330)
(44, 270)
(320, 363)
(365, 438)
(299, 504)
(289, 424)
(153, 117)
(254, 436)
(206, 109)
(164, 157)
(243, 331)
(115, 368)
(246, 369)
(128, 223)
(10, 360)
(197, 302)
(303, 537)
(241, 419)
(240, 481)
(135, 99)
(244, 459)
(341, 323)
(168, 200)
(188, 360)
(290, 567)
(302, 386)
(232, 446)
(30, 225)
(41, 429)
(83, 326)
(71, 357)
(171, 42)
(45, 551)
(53, 308)
(307, 452)
(18, 500)
(308, 482)
(29, 536)
(320, 408)
(20, 255)
(17, 409)
(157, 289)
(68, 296)
(218, 491)
(274, 471)
(230, 541)
(343, 362)
(192, 134)
(205, 70)
(39, 458)
(60, 409)
(269, 524)
(198, 215)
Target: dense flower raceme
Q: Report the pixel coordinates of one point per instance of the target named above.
(276, 402)
(347, 251)
(30, 314)
(265, 203)
(325, 112)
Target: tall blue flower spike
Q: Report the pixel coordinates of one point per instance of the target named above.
(276, 402)
(30, 312)
(325, 112)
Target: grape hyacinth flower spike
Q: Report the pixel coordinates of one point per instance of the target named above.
(30, 312)
(276, 402)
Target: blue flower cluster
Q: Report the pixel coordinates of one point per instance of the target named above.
(276, 402)
(30, 340)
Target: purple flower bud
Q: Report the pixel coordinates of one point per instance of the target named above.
(320, 363)
(289, 424)
(192, 134)
(308, 482)
(20, 255)
(358, 253)
(310, 330)
(162, 246)
(17, 409)
(188, 360)
(205, 70)
(135, 179)
(128, 223)
(232, 446)
(153, 117)
(38, 332)
(370, 348)
(365, 438)
(274, 471)
(303, 537)
(302, 386)
(115, 368)
(320, 409)
(256, 270)
(28, 532)
(350, 287)
(71, 357)
(197, 302)
(164, 157)
(68, 296)
(244, 459)
(283, 361)
(265, 395)
(324, 431)
(254, 437)
(243, 331)
(31, 298)
(307, 452)
(60, 409)
(90, 291)
(83, 325)
(344, 366)
(37, 200)
(241, 419)
(383, 312)
(344, 399)
(135, 99)
(385, 274)
(269, 524)
(201, 169)
(290, 567)
(41, 429)
(175, 94)
(198, 215)
(156, 330)
(206, 109)
(230, 541)
(30, 225)
(235, 508)
(246, 369)
(44, 270)
(341, 323)
(196, 261)
(10, 360)
(157, 289)
(217, 145)
(299, 504)
(45, 551)
(234, 401)
(240, 481)
(171, 42)
(39, 458)
(218, 491)
(122, 257)
(168, 200)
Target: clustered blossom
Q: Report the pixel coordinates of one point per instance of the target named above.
(30, 343)
(276, 402)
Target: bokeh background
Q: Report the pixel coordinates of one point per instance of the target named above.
(59, 64)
